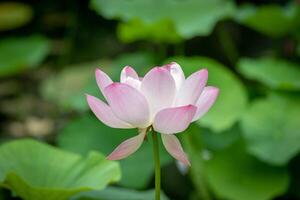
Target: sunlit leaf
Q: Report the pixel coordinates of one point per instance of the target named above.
(272, 130)
(137, 169)
(35, 171)
(232, 98)
(272, 20)
(274, 73)
(19, 54)
(190, 17)
(114, 193)
(14, 15)
(161, 31)
(232, 174)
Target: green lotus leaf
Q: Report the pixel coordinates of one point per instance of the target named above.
(235, 175)
(114, 193)
(273, 20)
(161, 31)
(271, 128)
(20, 54)
(190, 17)
(35, 171)
(274, 73)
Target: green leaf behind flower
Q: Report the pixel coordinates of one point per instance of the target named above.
(190, 17)
(161, 31)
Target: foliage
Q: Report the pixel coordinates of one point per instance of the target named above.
(33, 171)
(19, 54)
(271, 127)
(274, 73)
(273, 20)
(190, 18)
(233, 174)
(118, 193)
(161, 31)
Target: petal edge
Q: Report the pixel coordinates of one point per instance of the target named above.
(104, 113)
(174, 120)
(176, 72)
(205, 101)
(127, 147)
(173, 146)
(102, 80)
(126, 72)
(191, 88)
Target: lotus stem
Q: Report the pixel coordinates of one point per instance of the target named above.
(156, 164)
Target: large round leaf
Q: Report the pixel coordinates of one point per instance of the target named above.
(35, 171)
(272, 20)
(14, 14)
(161, 31)
(272, 130)
(19, 54)
(234, 175)
(114, 193)
(275, 73)
(232, 98)
(190, 17)
(137, 169)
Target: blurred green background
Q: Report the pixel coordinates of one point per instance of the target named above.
(246, 148)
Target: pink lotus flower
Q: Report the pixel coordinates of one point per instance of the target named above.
(162, 100)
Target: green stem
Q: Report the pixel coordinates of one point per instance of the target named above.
(157, 165)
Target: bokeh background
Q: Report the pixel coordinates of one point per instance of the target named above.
(246, 148)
